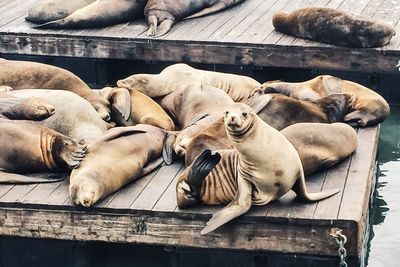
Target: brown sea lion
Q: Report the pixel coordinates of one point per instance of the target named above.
(197, 106)
(49, 10)
(367, 108)
(130, 107)
(27, 147)
(263, 166)
(101, 13)
(121, 156)
(179, 75)
(73, 117)
(335, 27)
(162, 14)
(278, 111)
(29, 75)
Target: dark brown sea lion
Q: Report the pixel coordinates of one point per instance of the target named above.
(32, 75)
(180, 75)
(162, 14)
(263, 166)
(335, 27)
(27, 147)
(367, 108)
(130, 107)
(121, 156)
(101, 13)
(49, 10)
(278, 111)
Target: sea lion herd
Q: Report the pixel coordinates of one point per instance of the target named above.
(243, 143)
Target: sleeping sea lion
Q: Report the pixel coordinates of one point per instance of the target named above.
(49, 10)
(28, 147)
(162, 14)
(335, 27)
(178, 76)
(29, 75)
(130, 107)
(119, 157)
(73, 117)
(367, 108)
(101, 13)
(263, 166)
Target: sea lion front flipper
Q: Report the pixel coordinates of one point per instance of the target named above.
(151, 166)
(168, 150)
(164, 27)
(257, 103)
(14, 178)
(332, 84)
(240, 205)
(117, 132)
(201, 167)
(121, 101)
(71, 152)
(30, 108)
(213, 9)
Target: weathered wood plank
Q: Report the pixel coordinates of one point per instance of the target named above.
(167, 202)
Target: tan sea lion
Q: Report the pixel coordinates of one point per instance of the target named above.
(162, 14)
(178, 76)
(335, 27)
(27, 147)
(74, 116)
(367, 108)
(48, 10)
(101, 13)
(121, 156)
(278, 111)
(263, 167)
(130, 107)
(32, 75)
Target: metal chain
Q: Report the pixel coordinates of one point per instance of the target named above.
(341, 239)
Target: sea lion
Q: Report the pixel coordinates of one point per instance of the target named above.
(194, 108)
(74, 116)
(367, 108)
(335, 27)
(101, 13)
(176, 76)
(27, 147)
(162, 14)
(49, 10)
(130, 107)
(263, 166)
(121, 156)
(29, 75)
(278, 111)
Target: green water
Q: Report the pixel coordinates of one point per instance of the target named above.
(384, 245)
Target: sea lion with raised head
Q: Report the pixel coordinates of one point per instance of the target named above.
(263, 166)
(121, 156)
(73, 117)
(335, 27)
(162, 14)
(27, 147)
(33, 75)
(130, 107)
(49, 10)
(368, 108)
(101, 13)
(178, 76)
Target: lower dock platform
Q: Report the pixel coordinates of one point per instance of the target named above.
(146, 212)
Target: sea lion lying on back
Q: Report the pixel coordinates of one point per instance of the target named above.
(162, 14)
(178, 76)
(101, 13)
(263, 164)
(48, 10)
(130, 107)
(32, 75)
(367, 108)
(335, 27)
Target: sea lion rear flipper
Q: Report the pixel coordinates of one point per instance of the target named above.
(332, 84)
(5, 88)
(201, 167)
(164, 27)
(301, 191)
(257, 103)
(151, 166)
(240, 205)
(14, 178)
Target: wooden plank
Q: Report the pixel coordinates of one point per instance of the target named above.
(59, 195)
(167, 202)
(17, 193)
(41, 193)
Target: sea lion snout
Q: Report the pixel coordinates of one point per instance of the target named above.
(237, 117)
(85, 192)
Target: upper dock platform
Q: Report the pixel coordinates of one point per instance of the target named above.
(242, 35)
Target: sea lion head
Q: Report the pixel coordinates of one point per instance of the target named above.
(139, 82)
(238, 119)
(85, 191)
(281, 23)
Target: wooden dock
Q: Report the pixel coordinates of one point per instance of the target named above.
(243, 35)
(146, 212)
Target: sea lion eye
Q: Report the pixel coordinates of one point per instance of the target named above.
(226, 113)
